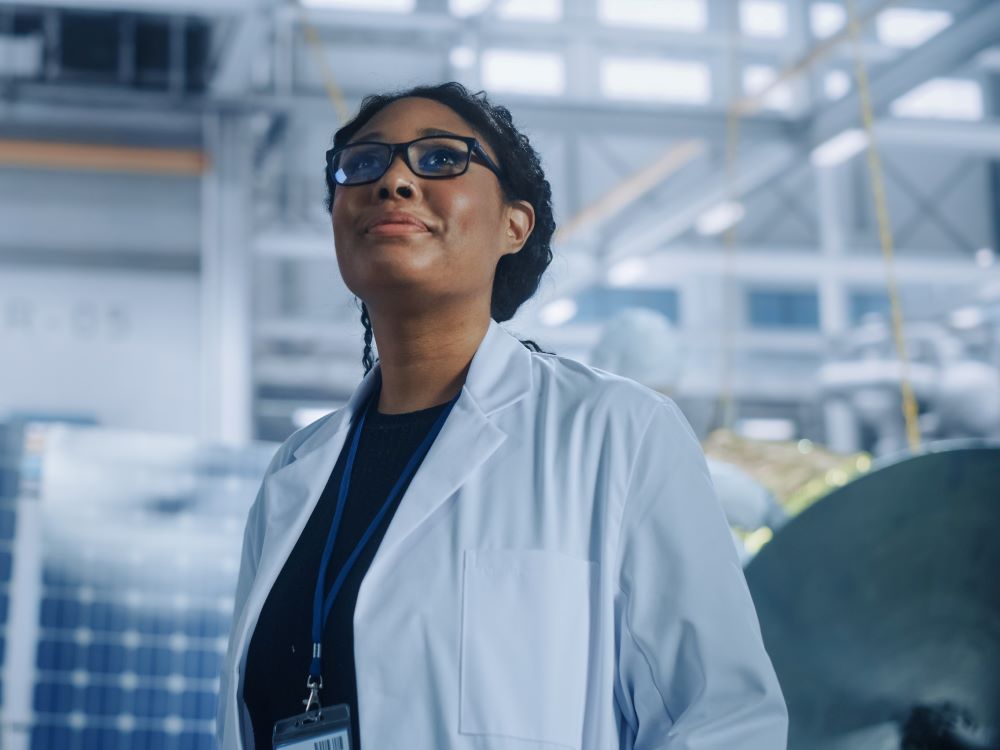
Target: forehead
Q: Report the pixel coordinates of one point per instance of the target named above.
(406, 119)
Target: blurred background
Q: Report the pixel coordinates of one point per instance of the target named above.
(783, 213)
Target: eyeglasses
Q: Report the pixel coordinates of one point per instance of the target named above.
(435, 157)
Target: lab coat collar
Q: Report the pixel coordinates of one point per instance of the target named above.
(500, 374)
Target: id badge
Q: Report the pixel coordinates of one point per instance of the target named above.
(320, 729)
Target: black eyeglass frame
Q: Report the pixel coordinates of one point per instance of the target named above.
(475, 149)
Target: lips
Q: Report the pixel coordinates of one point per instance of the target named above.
(396, 221)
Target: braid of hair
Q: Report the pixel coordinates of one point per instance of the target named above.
(366, 361)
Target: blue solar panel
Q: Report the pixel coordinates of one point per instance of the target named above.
(8, 522)
(137, 573)
(9, 478)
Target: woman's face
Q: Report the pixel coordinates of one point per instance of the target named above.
(468, 226)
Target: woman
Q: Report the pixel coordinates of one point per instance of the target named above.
(559, 572)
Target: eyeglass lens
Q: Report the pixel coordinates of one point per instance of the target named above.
(428, 157)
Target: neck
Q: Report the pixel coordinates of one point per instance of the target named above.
(424, 361)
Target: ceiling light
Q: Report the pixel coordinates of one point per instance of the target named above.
(720, 218)
(910, 27)
(942, 98)
(967, 317)
(683, 15)
(462, 57)
(683, 81)
(827, 19)
(627, 271)
(836, 83)
(840, 148)
(463, 8)
(523, 72)
(380, 6)
(764, 18)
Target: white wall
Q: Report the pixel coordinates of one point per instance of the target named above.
(61, 210)
(121, 347)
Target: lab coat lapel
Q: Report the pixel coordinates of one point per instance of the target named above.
(294, 489)
(466, 440)
(499, 374)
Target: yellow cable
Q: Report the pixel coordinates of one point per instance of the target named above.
(885, 235)
(333, 90)
(733, 122)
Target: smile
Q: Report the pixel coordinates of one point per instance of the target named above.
(396, 228)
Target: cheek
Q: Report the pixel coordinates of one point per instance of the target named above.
(474, 223)
(341, 217)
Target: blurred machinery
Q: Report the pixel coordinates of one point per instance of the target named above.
(879, 608)
(643, 345)
(957, 394)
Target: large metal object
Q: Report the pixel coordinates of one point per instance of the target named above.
(880, 608)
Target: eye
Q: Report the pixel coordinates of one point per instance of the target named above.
(356, 161)
(441, 157)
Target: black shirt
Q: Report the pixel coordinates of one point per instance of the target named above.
(281, 646)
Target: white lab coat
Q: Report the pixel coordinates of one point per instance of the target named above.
(558, 574)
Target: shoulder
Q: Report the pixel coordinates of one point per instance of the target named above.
(581, 386)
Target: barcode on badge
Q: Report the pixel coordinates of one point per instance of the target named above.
(337, 743)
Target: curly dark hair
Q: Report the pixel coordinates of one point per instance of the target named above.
(518, 274)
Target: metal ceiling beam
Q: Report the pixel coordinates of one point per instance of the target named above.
(580, 116)
(980, 138)
(756, 169)
(973, 30)
(343, 26)
(165, 7)
(232, 69)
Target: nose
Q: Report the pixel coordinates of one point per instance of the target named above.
(397, 180)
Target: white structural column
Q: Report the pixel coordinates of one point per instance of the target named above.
(842, 430)
(226, 263)
(25, 596)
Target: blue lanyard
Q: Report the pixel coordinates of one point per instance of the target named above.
(321, 606)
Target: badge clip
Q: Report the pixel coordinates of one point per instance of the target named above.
(314, 687)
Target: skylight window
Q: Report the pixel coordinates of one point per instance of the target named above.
(681, 81)
(531, 10)
(375, 6)
(682, 15)
(764, 18)
(756, 78)
(523, 72)
(520, 10)
(910, 27)
(942, 98)
(827, 19)
(463, 8)
(836, 83)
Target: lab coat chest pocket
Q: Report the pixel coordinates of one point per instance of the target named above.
(526, 629)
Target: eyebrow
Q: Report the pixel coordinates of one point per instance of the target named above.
(422, 132)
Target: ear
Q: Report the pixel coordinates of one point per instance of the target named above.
(519, 221)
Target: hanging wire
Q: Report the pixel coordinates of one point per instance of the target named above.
(333, 90)
(884, 232)
(727, 404)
